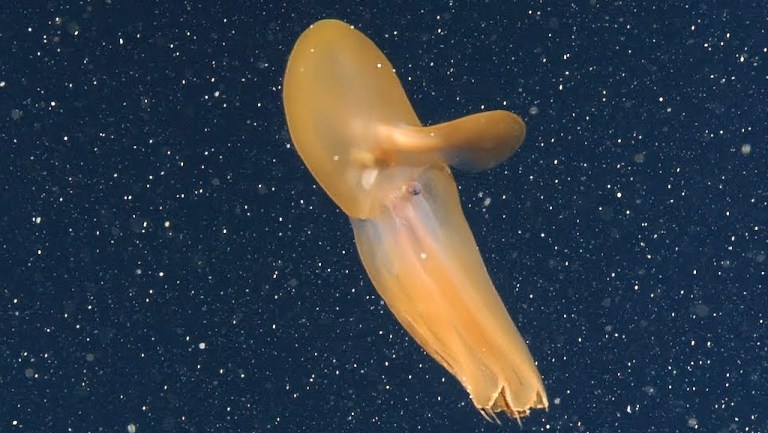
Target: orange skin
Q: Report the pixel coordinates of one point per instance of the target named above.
(358, 134)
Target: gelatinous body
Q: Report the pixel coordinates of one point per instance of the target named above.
(355, 129)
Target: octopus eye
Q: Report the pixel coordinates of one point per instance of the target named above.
(413, 188)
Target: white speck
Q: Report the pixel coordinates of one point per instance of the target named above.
(369, 177)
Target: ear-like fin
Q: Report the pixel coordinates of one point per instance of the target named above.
(472, 143)
(480, 141)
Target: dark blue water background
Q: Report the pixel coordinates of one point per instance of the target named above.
(168, 264)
